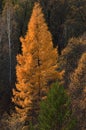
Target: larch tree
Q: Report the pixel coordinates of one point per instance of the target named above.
(36, 67)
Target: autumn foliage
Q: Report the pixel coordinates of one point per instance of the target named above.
(36, 67)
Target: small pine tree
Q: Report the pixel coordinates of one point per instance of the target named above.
(36, 67)
(55, 112)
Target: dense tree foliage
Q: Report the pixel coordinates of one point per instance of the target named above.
(37, 65)
(55, 112)
(66, 20)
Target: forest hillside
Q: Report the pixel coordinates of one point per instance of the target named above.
(43, 64)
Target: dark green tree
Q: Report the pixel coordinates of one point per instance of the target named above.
(55, 112)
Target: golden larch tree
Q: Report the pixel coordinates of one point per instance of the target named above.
(36, 67)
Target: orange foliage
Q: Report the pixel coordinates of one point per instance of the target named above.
(36, 66)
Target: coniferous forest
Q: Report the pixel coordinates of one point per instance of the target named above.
(42, 64)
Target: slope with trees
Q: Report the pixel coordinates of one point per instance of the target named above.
(65, 19)
(77, 90)
(70, 57)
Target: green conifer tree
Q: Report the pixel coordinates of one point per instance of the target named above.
(55, 112)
